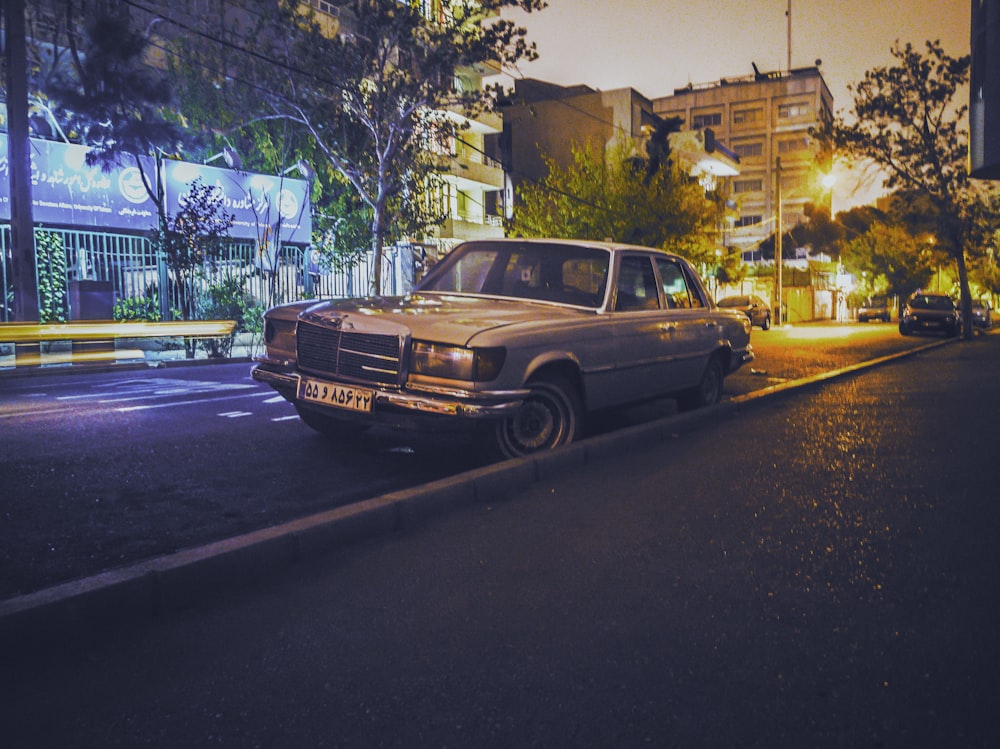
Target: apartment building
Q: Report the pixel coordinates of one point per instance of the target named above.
(766, 119)
(471, 180)
(547, 120)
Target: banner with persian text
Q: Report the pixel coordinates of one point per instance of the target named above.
(66, 192)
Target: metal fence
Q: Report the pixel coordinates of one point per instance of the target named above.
(102, 269)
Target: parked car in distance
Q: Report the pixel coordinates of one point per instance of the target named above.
(515, 338)
(982, 315)
(924, 311)
(874, 308)
(752, 306)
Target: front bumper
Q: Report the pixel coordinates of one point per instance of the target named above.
(740, 357)
(445, 402)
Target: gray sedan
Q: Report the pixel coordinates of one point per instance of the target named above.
(519, 338)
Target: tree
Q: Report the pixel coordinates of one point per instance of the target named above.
(111, 100)
(611, 195)
(890, 260)
(379, 98)
(193, 238)
(906, 121)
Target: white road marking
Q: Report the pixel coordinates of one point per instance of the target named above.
(285, 418)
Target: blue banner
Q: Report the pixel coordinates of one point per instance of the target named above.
(65, 191)
(261, 205)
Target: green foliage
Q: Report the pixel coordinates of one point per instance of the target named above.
(145, 307)
(228, 299)
(138, 308)
(111, 99)
(890, 260)
(613, 196)
(906, 121)
(195, 237)
(369, 103)
(50, 257)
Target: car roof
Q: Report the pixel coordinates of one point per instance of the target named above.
(608, 245)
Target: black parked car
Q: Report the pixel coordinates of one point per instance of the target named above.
(752, 306)
(930, 312)
(982, 315)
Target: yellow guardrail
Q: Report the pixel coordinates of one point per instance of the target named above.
(100, 330)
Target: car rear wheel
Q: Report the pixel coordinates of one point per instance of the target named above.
(329, 426)
(551, 416)
(707, 391)
(766, 325)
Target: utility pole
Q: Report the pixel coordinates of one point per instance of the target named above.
(778, 252)
(22, 227)
(788, 15)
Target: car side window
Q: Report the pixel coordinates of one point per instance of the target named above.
(675, 287)
(636, 288)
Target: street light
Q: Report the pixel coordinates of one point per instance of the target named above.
(228, 155)
(302, 167)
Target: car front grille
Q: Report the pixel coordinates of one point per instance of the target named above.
(360, 357)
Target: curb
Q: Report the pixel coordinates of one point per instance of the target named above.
(189, 577)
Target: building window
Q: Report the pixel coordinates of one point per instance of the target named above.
(749, 221)
(747, 185)
(790, 111)
(748, 150)
(747, 116)
(793, 144)
(326, 6)
(713, 119)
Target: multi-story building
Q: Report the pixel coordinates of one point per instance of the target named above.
(471, 180)
(767, 119)
(546, 120)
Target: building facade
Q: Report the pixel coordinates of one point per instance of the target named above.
(545, 120)
(768, 120)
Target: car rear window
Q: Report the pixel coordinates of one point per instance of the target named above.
(928, 301)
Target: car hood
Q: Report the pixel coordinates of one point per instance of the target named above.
(439, 317)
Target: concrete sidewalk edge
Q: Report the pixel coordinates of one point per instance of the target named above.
(185, 578)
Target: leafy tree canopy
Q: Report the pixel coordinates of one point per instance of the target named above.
(380, 101)
(906, 120)
(611, 195)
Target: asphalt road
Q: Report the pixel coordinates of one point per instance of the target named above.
(820, 570)
(99, 470)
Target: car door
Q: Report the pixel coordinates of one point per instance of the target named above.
(691, 330)
(641, 335)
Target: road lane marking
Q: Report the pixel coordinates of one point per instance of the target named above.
(147, 406)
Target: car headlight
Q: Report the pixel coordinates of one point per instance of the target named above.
(456, 362)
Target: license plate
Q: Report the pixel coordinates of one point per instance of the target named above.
(341, 396)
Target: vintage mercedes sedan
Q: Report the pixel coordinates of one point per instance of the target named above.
(519, 338)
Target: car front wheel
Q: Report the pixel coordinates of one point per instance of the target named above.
(550, 416)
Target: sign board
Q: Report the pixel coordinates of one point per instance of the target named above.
(65, 191)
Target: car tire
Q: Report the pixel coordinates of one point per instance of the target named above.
(707, 391)
(550, 416)
(904, 329)
(766, 324)
(329, 426)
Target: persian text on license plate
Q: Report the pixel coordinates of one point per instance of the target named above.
(341, 396)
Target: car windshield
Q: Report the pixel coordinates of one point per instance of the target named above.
(930, 301)
(561, 273)
(876, 301)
